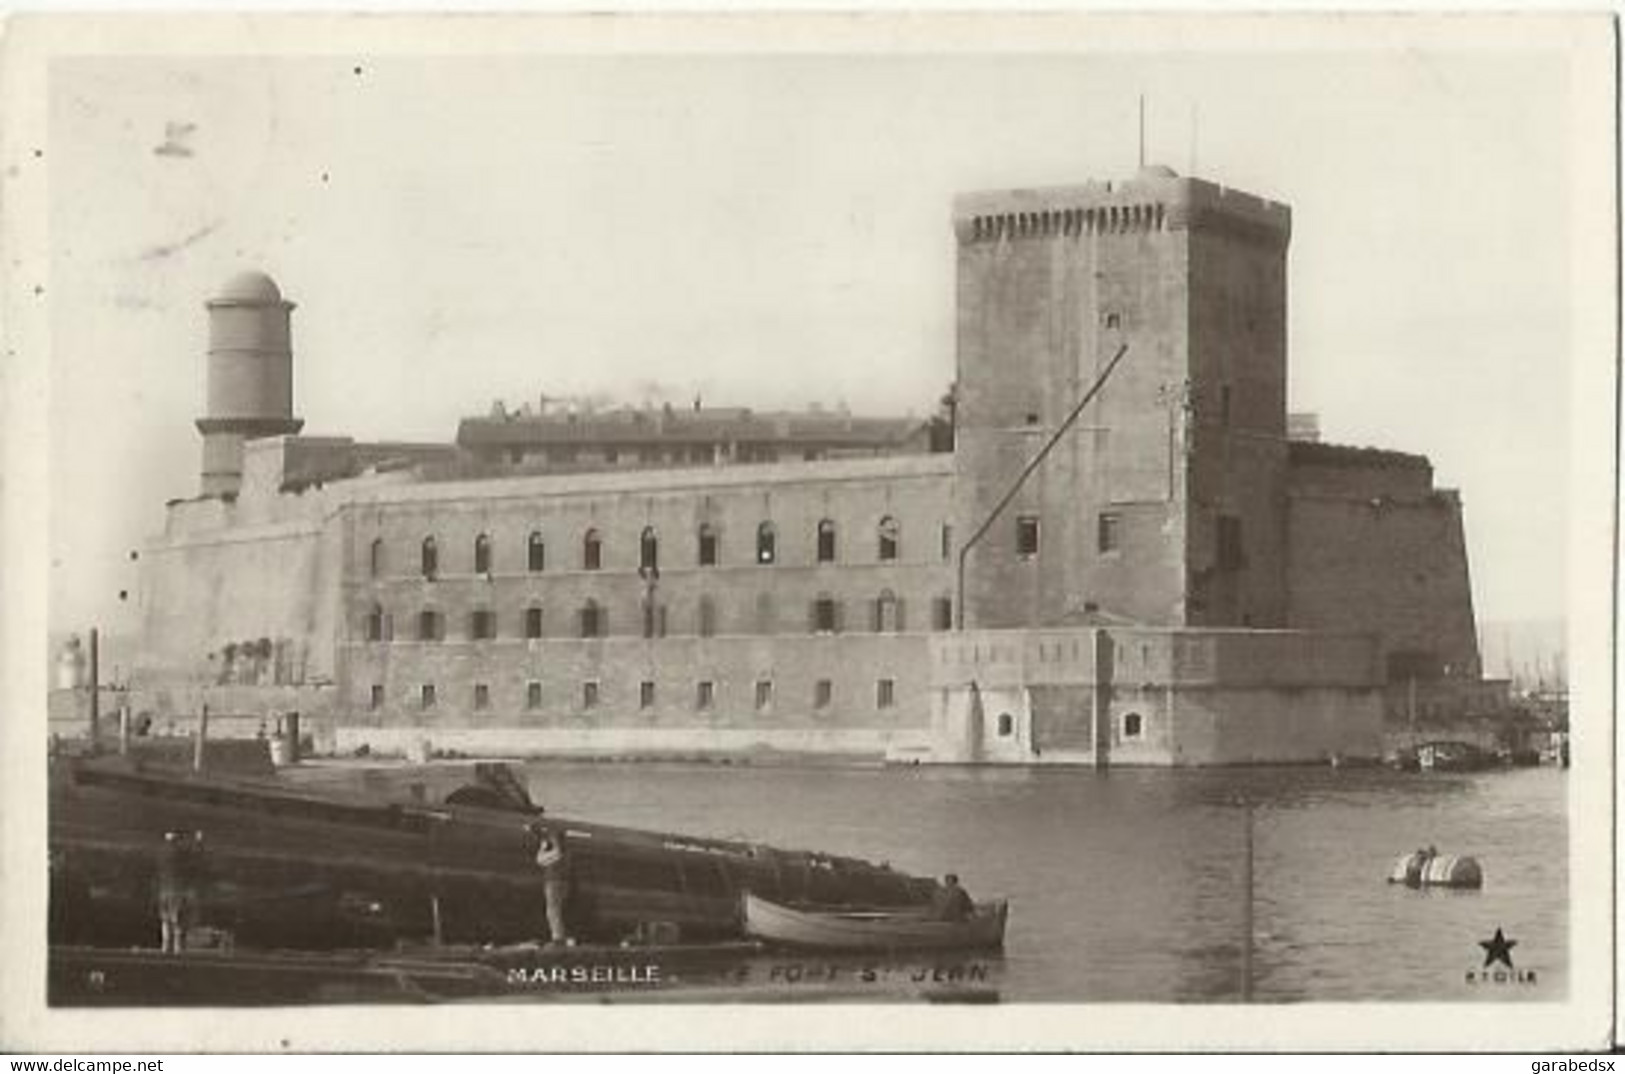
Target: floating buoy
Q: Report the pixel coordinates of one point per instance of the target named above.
(1422, 869)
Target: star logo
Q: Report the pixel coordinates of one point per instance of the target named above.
(1498, 949)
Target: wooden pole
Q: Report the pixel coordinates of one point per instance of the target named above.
(434, 912)
(1247, 913)
(95, 690)
(124, 729)
(202, 736)
(1021, 479)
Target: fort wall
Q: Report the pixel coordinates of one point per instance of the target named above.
(1393, 565)
(1176, 697)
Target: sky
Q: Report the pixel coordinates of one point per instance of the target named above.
(774, 230)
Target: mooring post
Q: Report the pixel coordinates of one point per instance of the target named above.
(95, 690)
(124, 729)
(434, 912)
(1247, 910)
(202, 736)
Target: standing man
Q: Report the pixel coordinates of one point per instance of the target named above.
(554, 862)
(179, 881)
(951, 902)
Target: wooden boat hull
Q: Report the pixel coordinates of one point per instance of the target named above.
(876, 931)
(292, 868)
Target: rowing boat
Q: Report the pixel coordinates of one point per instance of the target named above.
(840, 929)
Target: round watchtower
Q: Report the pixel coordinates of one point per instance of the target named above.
(250, 378)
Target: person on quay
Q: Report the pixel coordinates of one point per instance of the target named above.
(180, 881)
(554, 862)
(950, 902)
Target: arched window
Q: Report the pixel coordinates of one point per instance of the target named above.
(826, 541)
(533, 622)
(649, 551)
(888, 538)
(1007, 725)
(707, 625)
(708, 545)
(887, 609)
(767, 543)
(1133, 725)
(592, 620)
(375, 559)
(429, 625)
(482, 554)
(375, 624)
(431, 558)
(592, 551)
(536, 552)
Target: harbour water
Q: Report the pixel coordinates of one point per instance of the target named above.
(1128, 885)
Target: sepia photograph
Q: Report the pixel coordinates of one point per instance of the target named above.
(814, 511)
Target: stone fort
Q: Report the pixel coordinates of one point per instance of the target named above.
(1177, 581)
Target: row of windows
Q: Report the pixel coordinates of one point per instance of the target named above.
(591, 695)
(708, 548)
(1133, 725)
(825, 615)
(1108, 539)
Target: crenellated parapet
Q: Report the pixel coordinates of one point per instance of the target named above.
(1155, 201)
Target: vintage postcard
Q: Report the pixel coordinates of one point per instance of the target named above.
(666, 532)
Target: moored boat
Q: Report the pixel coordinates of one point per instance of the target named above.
(294, 868)
(833, 928)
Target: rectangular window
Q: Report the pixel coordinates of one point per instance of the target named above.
(589, 694)
(1232, 555)
(885, 693)
(947, 540)
(482, 625)
(708, 547)
(482, 696)
(824, 615)
(705, 694)
(1027, 536)
(533, 623)
(942, 613)
(764, 694)
(533, 695)
(646, 694)
(426, 696)
(1107, 536)
(428, 626)
(377, 696)
(823, 693)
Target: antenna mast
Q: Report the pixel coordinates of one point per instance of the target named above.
(1142, 130)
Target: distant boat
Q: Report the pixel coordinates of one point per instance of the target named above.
(1453, 757)
(838, 929)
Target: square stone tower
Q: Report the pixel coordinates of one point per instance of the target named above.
(1165, 503)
